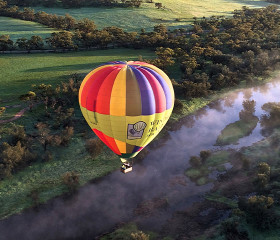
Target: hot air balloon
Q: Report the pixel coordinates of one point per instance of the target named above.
(126, 104)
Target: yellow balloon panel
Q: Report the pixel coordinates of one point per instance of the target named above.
(122, 128)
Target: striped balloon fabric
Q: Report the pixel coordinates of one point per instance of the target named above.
(126, 104)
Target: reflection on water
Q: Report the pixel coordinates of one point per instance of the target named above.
(98, 207)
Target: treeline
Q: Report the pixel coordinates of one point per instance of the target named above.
(274, 1)
(78, 3)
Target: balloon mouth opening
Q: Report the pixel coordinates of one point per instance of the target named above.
(123, 160)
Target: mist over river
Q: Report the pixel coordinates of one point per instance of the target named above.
(98, 207)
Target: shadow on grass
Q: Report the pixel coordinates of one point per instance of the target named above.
(253, 3)
(72, 67)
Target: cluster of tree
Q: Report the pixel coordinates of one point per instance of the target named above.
(79, 3)
(270, 121)
(66, 22)
(259, 211)
(274, 1)
(247, 113)
(197, 162)
(15, 153)
(34, 43)
(54, 128)
(220, 52)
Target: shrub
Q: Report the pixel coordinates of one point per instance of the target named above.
(178, 106)
(18, 134)
(262, 180)
(192, 89)
(204, 154)
(34, 195)
(66, 135)
(2, 110)
(232, 230)
(94, 147)
(195, 161)
(47, 156)
(28, 96)
(245, 163)
(139, 236)
(264, 168)
(13, 157)
(71, 180)
(260, 212)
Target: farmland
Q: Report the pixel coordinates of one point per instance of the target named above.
(175, 14)
(19, 72)
(17, 28)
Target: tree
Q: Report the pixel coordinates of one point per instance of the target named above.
(22, 44)
(195, 161)
(6, 43)
(164, 58)
(2, 110)
(61, 40)
(71, 180)
(45, 138)
(86, 26)
(12, 157)
(160, 28)
(158, 5)
(264, 168)
(270, 121)
(18, 134)
(66, 135)
(248, 110)
(178, 106)
(102, 38)
(259, 211)
(35, 43)
(119, 37)
(3, 4)
(69, 22)
(195, 89)
(28, 96)
(94, 147)
(204, 154)
(28, 14)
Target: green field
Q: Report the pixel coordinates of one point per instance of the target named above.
(234, 131)
(176, 13)
(17, 28)
(19, 72)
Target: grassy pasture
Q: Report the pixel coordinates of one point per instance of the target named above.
(17, 28)
(234, 131)
(176, 13)
(20, 71)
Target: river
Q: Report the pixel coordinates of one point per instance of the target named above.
(98, 207)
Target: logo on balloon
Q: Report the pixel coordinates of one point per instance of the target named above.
(135, 131)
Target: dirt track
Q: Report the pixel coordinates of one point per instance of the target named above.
(17, 115)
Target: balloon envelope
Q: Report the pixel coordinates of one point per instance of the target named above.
(126, 104)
